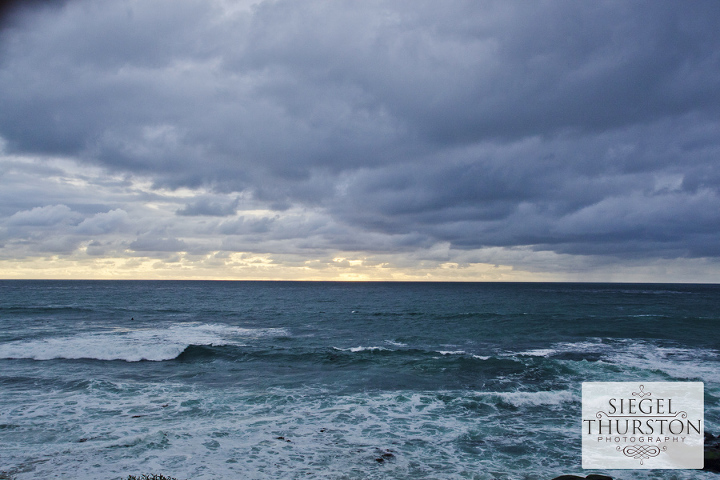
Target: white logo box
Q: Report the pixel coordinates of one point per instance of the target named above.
(642, 425)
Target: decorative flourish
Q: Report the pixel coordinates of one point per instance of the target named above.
(641, 452)
(642, 393)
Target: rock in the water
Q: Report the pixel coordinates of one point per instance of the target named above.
(712, 453)
(712, 459)
(384, 455)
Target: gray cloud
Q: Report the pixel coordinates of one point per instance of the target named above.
(578, 128)
(152, 243)
(209, 207)
(46, 216)
(103, 223)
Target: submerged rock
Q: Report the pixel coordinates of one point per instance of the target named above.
(384, 455)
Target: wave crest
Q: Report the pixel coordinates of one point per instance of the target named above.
(134, 345)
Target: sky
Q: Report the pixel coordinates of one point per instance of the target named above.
(373, 140)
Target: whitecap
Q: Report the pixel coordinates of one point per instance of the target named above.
(133, 345)
(368, 349)
(519, 399)
(362, 349)
(538, 352)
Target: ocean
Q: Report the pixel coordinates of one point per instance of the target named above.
(208, 380)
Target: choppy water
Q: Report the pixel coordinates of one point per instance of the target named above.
(235, 380)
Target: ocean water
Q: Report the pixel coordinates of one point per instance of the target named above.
(290, 380)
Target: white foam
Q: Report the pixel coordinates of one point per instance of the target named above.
(362, 349)
(368, 349)
(133, 345)
(538, 352)
(565, 347)
(451, 352)
(587, 346)
(290, 433)
(680, 363)
(395, 344)
(677, 362)
(520, 399)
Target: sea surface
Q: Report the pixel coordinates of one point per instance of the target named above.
(288, 380)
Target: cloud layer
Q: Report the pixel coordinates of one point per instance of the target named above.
(585, 131)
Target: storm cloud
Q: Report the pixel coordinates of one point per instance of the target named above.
(584, 130)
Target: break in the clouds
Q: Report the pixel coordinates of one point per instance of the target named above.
(459, 139)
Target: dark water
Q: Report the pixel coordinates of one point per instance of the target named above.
(198, 380)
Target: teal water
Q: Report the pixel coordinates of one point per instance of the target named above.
(235, 380)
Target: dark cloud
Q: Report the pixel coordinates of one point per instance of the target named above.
(10, 10)
(574, 127)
